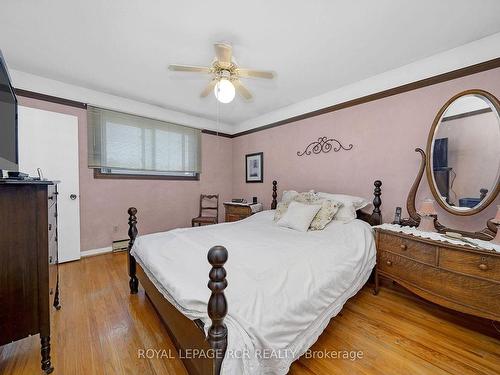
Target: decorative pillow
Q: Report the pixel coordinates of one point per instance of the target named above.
(308, 197)
(326, 213)
(350, 204)
(290, 196)
(358, 202)
(281, 208)
(299, 216)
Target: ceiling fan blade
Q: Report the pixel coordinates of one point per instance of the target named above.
(224, 53)
(242, 90)
(242, 72)
(209, 88)
(189, 68)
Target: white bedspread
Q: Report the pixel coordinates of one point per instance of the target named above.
(283, 285)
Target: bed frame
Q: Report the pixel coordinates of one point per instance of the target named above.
(203, 355)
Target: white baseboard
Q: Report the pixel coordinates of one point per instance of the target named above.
(102, 250)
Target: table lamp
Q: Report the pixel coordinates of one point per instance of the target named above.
(496, 221)
(427, 213)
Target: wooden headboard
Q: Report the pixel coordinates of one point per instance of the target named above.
(375, 218)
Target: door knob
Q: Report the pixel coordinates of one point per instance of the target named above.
(72, 197)
(483, 267)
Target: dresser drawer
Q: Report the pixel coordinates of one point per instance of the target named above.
(236, 212)
(410, 248)
(476, 264)
(239, 210)
(233, 217)
(482, 295)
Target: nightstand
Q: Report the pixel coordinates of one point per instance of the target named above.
(239, 211)
(458, 277)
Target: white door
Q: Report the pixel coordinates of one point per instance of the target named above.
(49, 141)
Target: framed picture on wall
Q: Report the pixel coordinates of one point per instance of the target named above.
(254, 167)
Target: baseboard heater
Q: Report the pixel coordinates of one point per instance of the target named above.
(120, 245)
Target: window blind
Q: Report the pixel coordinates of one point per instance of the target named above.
(126, 142)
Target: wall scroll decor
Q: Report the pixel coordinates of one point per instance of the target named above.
(324, 144)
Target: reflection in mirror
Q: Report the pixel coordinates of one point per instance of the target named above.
(466, 153)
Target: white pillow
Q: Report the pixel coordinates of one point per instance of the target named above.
(288, 196)
(292, 195)
(346, 213)
(351, 204)
(299, 216)
(358, 202)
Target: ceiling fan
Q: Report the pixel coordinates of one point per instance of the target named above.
(225, 73)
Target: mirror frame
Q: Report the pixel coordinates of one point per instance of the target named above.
(430, 178)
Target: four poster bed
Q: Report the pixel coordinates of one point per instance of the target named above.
(269, 308)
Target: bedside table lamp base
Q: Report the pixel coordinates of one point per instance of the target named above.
(427, 214)
(496, 221)
(426, 224)
(496, 240)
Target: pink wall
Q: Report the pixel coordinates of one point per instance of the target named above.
(384, 134)
(161, 204)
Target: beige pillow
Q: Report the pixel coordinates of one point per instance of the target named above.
(281, 208)
(326, 213)
(288, 196)
(308, 197)
(292, 196)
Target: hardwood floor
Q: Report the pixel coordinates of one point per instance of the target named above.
(101, 327)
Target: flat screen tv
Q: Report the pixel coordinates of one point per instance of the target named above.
(440, 154)
(9, 158)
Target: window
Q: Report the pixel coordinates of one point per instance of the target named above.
(122, 145)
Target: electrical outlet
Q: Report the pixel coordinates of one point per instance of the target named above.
(115, 228)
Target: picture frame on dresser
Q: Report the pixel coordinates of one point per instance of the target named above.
(254, 167)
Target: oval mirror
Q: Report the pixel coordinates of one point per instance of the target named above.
(463, 153)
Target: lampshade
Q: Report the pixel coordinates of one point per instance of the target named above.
(427, 208)
(224, 91)
(496, 220)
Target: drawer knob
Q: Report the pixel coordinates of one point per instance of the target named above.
(389, 263)
(483, 267)
(403, 247)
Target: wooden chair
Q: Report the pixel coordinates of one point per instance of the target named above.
(206, 220)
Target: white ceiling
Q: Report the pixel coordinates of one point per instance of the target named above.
(124, 47)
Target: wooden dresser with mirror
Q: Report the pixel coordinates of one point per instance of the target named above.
(462, 162)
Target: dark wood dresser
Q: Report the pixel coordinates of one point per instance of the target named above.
(454, 276)
(28, 262)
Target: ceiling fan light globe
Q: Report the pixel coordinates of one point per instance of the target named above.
(224, 91)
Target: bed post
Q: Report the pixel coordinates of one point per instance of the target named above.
(376, 217)
(132, 234)
(217, 305)
(274, 202)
